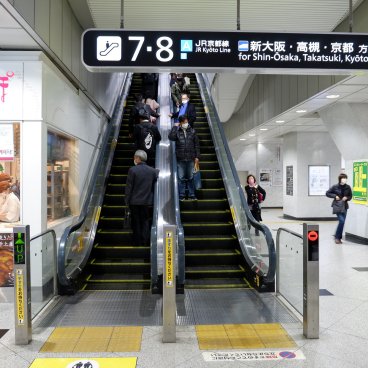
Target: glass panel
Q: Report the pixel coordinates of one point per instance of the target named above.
(290, 269)
(9, 172)
(59, 160)
(43, 271)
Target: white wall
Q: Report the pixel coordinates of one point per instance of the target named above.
(347, 124)
(254, 157)
(300, 151)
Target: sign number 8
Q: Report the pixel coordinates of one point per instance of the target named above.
(166, 48)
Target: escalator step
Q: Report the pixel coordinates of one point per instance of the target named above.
(215, 283)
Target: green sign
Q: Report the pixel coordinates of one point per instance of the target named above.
(19, 248)
(360, 169)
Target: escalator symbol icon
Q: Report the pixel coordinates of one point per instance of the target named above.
(109, 48)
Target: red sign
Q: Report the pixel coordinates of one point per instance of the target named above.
(312, 235)
(4, 84)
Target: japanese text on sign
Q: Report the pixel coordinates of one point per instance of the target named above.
(169, 260)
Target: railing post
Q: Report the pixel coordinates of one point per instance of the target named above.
(22, 285)
(311, 281)
(169, 284)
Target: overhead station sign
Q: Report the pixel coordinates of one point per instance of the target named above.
(145, 50)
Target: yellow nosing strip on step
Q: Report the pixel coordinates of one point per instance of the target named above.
(130, 362)
(243, 336)
(93, 340)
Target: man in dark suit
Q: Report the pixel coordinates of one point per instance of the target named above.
(139, 196)
(186, 108)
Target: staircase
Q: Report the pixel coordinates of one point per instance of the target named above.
(213, 258)
(114, 263)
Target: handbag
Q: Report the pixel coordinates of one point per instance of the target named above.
(197, 178)
(338, 207)
(127, 221)
(260, 197)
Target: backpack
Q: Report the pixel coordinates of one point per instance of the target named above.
(146, 139)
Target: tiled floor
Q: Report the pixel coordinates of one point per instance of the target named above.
(343, 338)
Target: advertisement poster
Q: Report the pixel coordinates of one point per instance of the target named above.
(319, 180)
(360, 182)
(277, 178)
(6, 259)
(289, 181)
(265, 177)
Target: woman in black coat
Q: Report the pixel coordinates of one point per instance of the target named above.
(341, 193)
(255, 195)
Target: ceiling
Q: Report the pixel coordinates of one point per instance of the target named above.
(261, 15)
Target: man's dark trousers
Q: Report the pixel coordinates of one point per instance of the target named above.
(140, 225)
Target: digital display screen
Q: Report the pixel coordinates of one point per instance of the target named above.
(204, 50)
(313, 245)
(19, 249)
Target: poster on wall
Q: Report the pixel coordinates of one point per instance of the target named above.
(318, 180)
(277, 178)
(6, 259)
(360, 170)
(289, 181)
(265, 177)
(6, 142)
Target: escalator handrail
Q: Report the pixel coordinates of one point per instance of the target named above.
(179, 225)
(116, 120)
(270, 276)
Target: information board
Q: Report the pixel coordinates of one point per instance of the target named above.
(360, 170)
(132, 49)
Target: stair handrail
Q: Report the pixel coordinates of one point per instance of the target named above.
(91, 207)
(266, 275)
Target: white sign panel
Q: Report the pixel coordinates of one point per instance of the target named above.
(252, 356)
(319, 180)
(11, 90)
(265, 177)
(6, 142)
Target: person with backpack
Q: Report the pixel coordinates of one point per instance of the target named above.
(187, 155)
(134, 117)
(255, 196)
(177, 88)
(146, 135)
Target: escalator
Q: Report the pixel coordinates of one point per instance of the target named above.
(114, 263)
(213, 258)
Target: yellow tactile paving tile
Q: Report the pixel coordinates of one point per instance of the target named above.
(97, 333)
(91, 345)
(243, 336)
(94, 339)
(66, 333)
(128, 344)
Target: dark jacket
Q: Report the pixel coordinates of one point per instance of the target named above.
(253, 194)
(138, 139)
(134, 115)
(139, 185)
(187, 146)
(190, 112)
(341, 191)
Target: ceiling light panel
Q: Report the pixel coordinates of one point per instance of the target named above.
(105, 13)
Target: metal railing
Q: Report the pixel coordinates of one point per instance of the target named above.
(259, 252)
(45, 288)
(289, 277)
(77, 239)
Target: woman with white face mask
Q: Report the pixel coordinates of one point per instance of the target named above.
(341, 194)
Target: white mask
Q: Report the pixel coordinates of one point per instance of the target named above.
(184, 101)
(343, 181)
(185, 126)
(135, 162)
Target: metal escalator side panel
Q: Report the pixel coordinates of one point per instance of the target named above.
(76, 242)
